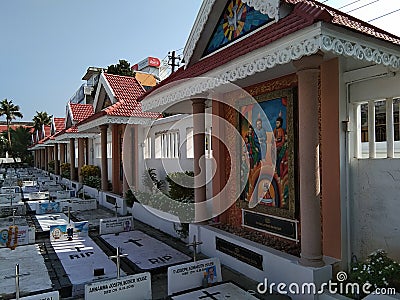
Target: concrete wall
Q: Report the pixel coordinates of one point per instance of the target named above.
(375, 207)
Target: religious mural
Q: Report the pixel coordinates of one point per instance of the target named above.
(266, 155)
(237, 20)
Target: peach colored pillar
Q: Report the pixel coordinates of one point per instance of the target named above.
(104, 163)
(43, 158)
(81, 157)
(46, 158)
(86, 151)
(62, 153)
(310, 211)
(199, 161)
(56, 161)
(115, 159)
(72, 158)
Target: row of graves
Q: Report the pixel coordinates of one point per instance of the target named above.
(55, 246)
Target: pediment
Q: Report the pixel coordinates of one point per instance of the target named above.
(221, 23)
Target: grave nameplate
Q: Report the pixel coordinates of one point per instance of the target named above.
(275, 225)
(115, 225)
(133, 287)
(245, 255)
(66, 232)
(191, 275)
(44, 296)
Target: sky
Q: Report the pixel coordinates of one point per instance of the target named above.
(46, 46)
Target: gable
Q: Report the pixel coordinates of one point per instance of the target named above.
(237, 20)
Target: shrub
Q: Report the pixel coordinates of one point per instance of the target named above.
(181, 185)
(92, 181)
(51, 165)
(378, 270)
(65, 170)
(151, 182)
(90, 170)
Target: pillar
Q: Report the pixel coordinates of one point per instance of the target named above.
(46, 158)
(56, 161)
(72, 158)
(116, 161)
(86, 151)
(62, 153)
(81, 157)
(42, 158)
(199, 160)
(309, 171)
(104, 163)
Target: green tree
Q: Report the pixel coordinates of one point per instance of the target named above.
(123, 68)
(21, 137)
(41, 118)
(11, 112)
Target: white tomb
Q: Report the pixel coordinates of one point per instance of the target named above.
(32, 269)
(144, 251)
(45, 221)
(80, 258)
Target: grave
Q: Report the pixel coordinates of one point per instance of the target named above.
(33, 271)
(226, 290)
(45, 221)
(145, 252)
(84, 262)
(193, 274)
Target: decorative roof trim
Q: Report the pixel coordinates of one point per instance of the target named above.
(66, 136)
(267, 7)
(113, 120)
(285, 51)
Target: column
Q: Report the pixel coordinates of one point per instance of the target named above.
(72, 157)
(104, 163)
(309, 171)
(116, 161)
(56, 161)
(81, 157)
(199, 161)
(62, 153)
(42, 158)
(46, 158)
(86, 151)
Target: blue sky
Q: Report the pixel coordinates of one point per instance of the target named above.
(47, 45)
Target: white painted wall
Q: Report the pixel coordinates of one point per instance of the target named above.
(375, 206)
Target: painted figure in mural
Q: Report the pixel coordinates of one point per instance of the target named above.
(261, 133)
(279, 134)
(255, 146)
(244, 175)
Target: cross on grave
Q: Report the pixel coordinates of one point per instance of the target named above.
(209, 295)
(136, 242)
(194, 245)
(118, 257)
(14, 211)
(17, 281)
(116, 210)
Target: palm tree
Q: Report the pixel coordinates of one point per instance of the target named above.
(41, 118)
(11, 112)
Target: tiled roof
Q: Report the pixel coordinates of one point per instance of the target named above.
(47, 130)
(4, 127)
(59, 124)
(343, 19)
(80, 111)
(126, 90)
(304, 14)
